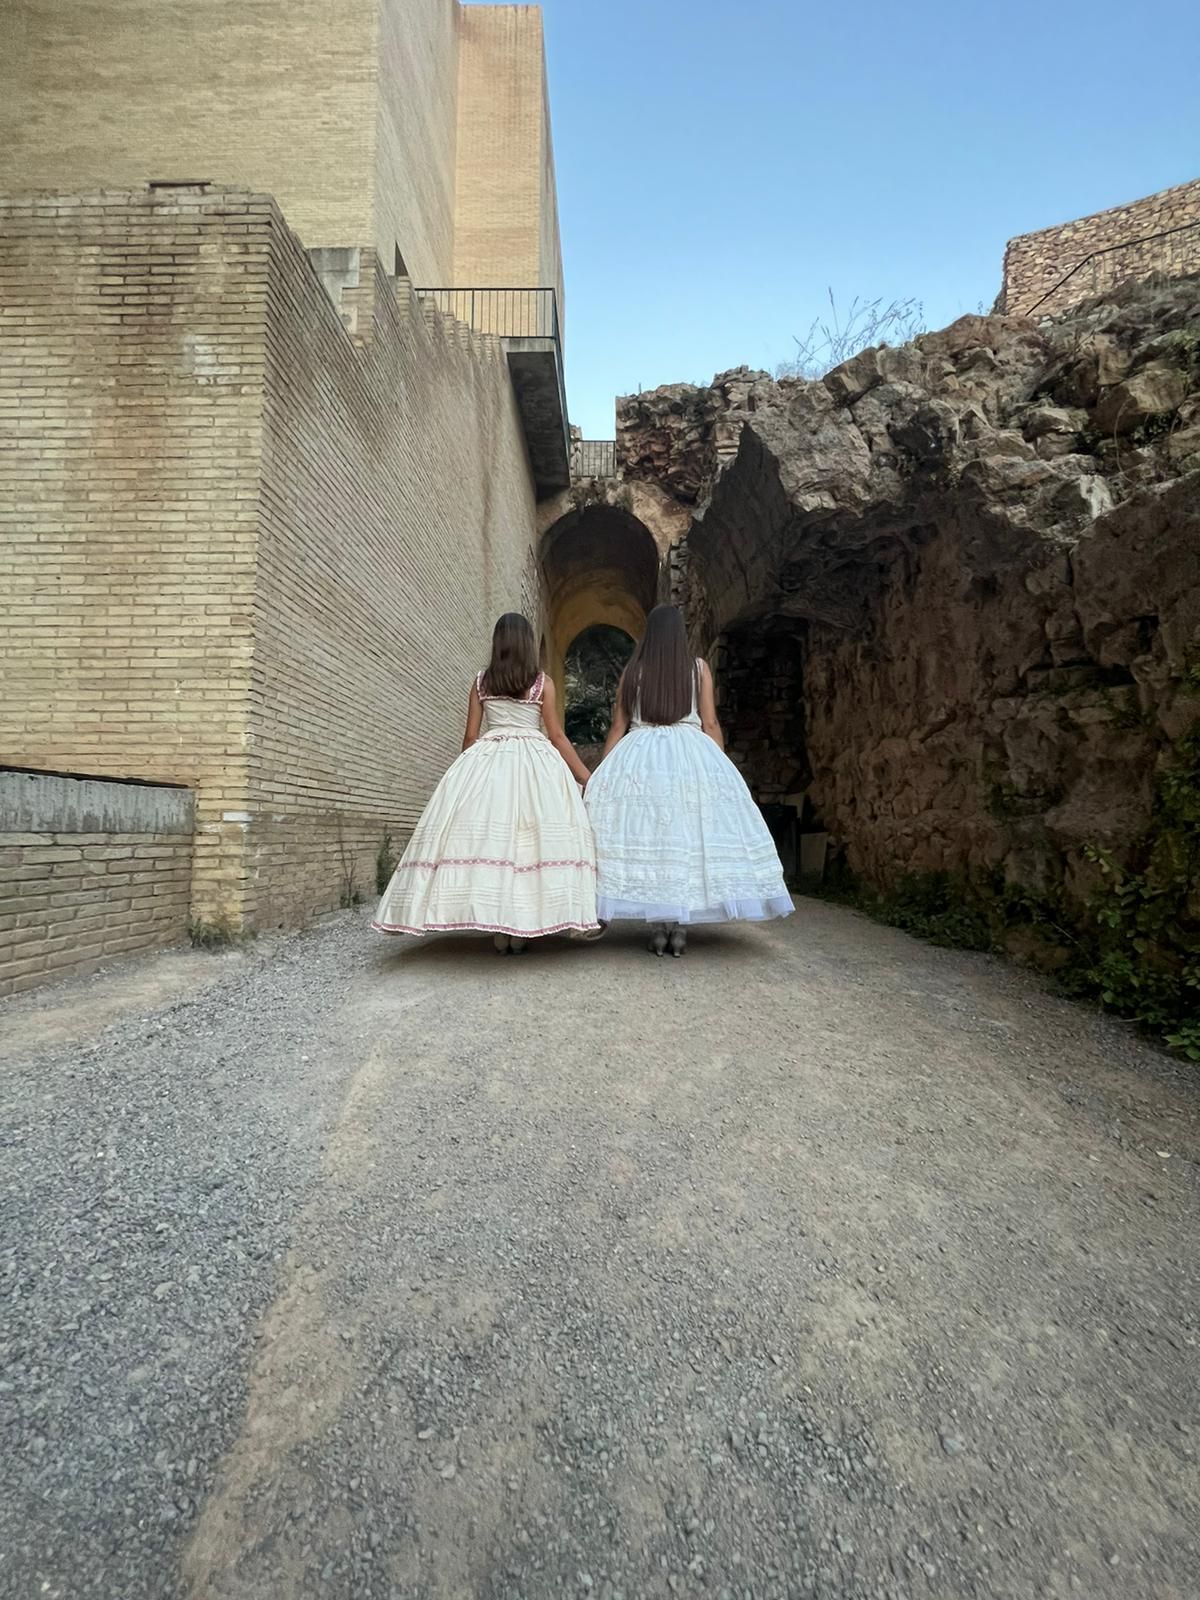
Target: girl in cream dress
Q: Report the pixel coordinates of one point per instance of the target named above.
(504, 845)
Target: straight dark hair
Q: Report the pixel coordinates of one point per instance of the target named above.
(660, 680)
(514, 664)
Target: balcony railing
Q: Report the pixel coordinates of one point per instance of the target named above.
(526, 322)
(594, 458)
(509, 313)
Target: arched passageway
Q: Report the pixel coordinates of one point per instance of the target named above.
(602, 568)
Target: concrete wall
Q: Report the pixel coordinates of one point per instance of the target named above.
(116, 93)
(249, 553)
(507, 218)
(88, 871)
(1036, 262)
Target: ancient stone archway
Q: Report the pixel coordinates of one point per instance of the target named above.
(602, 566)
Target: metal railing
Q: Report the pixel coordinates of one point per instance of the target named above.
(508, 313)
(594, 458)
(1099, 279)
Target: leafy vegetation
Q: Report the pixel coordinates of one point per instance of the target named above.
(1144, 959)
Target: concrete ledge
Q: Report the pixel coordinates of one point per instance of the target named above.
(47, 803)
(535, 367)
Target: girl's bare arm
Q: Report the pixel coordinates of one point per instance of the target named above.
(474, 718)
(619, 726)
(554, 732)
(708, 708)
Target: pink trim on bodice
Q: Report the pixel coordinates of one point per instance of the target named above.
(531, 697)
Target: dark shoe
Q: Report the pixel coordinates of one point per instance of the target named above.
(677, 941)
(658, 942)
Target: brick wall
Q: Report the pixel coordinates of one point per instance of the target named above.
(131, 373)
(417, 115)
(507, 219)
(116, 93)
(248, 552)
(347, 111)
(1035, 263)
(88, 872)
(397, 523)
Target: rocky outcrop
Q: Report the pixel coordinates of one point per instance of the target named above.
(984, 549)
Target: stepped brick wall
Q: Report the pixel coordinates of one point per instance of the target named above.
(249, 552)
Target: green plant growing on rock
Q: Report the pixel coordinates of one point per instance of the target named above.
(940, 907)
(1145, 957)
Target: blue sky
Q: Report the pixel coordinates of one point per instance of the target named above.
(721, 163)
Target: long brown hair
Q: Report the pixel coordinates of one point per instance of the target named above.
(660, 680)
(514, 664)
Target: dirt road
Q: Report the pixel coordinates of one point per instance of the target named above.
(818, 1263)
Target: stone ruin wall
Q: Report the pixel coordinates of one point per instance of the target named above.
(1158, 234)
(248, 553)
(952, 592)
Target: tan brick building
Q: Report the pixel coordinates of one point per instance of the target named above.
(418, 126)
(260, 500)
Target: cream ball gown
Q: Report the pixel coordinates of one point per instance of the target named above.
(504, 845)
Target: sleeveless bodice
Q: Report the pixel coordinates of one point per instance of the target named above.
(502, 715)
(692, 720)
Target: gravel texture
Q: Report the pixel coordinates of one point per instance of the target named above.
(819, 1263)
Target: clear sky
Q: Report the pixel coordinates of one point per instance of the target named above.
(721, 162)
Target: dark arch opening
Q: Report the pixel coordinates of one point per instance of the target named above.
(602, 567)
(759, 667)
(595, 660)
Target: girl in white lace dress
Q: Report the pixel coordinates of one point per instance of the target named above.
(679, 839)
(504, 845)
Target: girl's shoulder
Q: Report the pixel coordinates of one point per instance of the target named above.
(533, 695)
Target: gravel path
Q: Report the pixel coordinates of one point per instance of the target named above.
(821, 1263)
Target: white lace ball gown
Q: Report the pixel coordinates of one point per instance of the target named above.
(678, 835)
(504, 845)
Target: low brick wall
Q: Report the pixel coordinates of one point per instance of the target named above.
(89, 870)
